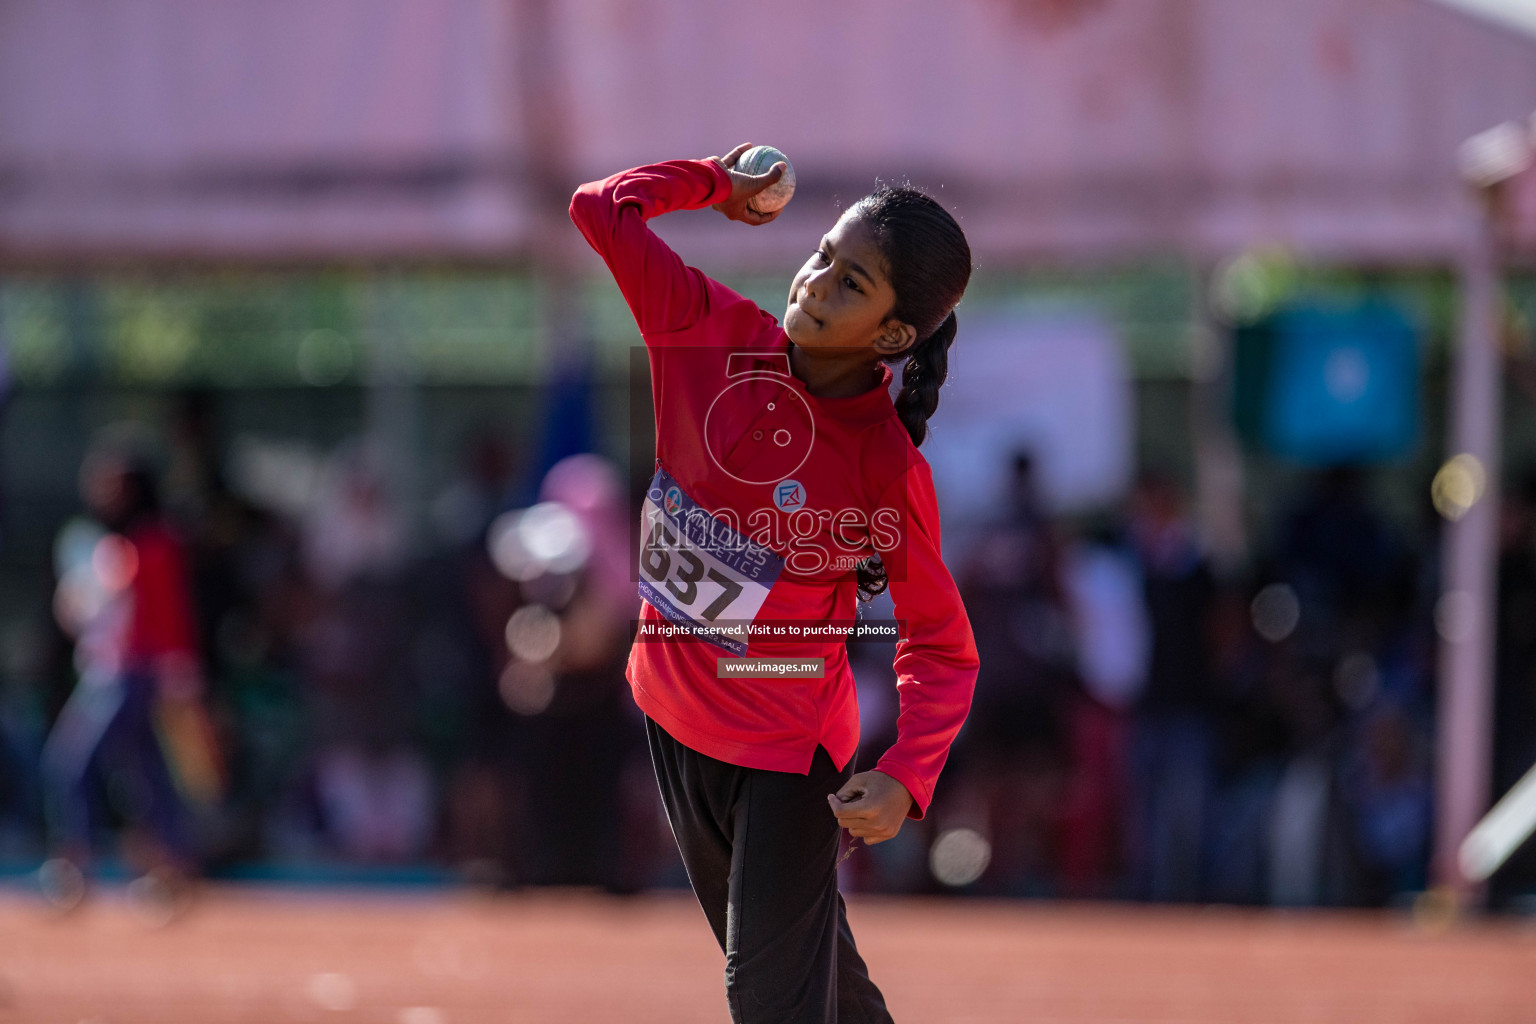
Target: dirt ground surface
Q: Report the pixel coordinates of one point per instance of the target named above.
(281, 955)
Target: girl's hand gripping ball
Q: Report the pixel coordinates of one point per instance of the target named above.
(760, 160)
(762, 183)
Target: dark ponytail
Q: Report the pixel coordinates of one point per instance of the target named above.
(927, 366)
(928, 262)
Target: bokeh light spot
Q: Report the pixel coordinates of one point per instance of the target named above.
(532, 542)
(421, 1015)
(1455, 616)
(533, 633)
(332, 991)
(508, 552)
(1276, 611)
(324, 358)
(115, 562)
(1357, 679)
(1252, 284)
(1347, 374)
(1457, 486)
(553, 534)
(959, 856)
(527, 689)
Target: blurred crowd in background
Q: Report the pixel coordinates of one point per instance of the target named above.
(1144, 727)
(1147, 727)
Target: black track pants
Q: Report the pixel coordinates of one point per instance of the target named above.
(761, 850)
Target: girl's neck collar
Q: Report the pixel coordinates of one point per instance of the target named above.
(844, 386)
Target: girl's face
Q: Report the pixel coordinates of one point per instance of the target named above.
(841, 299)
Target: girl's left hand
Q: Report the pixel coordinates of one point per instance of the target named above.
(871, 806)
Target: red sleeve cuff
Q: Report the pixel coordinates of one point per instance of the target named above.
(723, 184)
(904, 775)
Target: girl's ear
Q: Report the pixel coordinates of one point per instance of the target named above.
(895, 337)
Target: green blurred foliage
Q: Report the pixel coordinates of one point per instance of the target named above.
(327, 327)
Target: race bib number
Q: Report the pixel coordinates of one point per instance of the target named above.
(698, 571)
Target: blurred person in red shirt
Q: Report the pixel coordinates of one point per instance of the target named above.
(139, 688)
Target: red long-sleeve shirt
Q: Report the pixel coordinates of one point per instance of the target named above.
(764, 497)
(162, 622)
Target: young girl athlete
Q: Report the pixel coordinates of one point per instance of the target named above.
(787, 485)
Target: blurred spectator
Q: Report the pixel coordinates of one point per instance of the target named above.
(1334, 795)
(583, 733)
(124, 595)
(487, 781)
(1387, 784)
(1514, 711)
(462, 512)
(32, 653)
(1113, 641)
(372, 782)
(1387, 779)
(240, 557)
(1250, 751)
(461, 652)
(377, 803)
(354, 531)
(1338, 555)
(1011, 756)
(1172, 745)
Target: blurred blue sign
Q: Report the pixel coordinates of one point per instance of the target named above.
(1328, 385)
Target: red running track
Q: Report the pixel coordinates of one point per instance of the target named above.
(270, 956)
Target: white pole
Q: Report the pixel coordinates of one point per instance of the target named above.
(542, 98)
(1218, 454)
(1467, 610)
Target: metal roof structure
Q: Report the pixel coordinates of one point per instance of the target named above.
(1062, 129)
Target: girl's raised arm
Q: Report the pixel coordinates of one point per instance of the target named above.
(663, 293)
